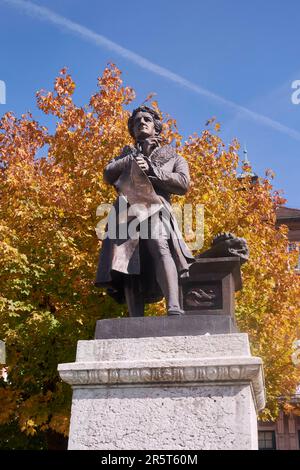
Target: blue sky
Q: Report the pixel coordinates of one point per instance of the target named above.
(232, 59)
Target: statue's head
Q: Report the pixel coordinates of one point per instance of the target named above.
(143, 123)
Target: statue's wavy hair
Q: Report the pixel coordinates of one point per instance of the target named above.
(145, 109)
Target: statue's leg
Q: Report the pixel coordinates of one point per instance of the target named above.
(166, 273)
(134, 297)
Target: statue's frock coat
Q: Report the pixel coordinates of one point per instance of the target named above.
(119, 257)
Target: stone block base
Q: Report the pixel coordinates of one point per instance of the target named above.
(183, 392)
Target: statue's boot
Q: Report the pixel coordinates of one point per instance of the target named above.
(175, 312)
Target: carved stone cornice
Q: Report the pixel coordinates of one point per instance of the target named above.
(217, 370)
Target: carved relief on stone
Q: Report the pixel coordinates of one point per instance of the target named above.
(200, 297)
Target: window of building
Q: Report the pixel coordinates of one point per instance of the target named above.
(266, 440)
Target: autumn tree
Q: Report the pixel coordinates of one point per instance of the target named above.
(49, 248)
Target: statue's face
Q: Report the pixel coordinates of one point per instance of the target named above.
(143, 126)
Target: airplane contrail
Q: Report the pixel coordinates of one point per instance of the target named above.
(48, 15)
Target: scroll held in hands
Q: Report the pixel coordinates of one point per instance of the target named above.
(136, 187)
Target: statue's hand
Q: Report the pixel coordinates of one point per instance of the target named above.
(142, 163)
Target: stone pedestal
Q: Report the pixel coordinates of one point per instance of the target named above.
(167, 392)
(210, 286)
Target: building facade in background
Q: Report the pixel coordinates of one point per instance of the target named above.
(284, 434)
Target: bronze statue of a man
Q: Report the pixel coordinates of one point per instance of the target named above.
(139, 270)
